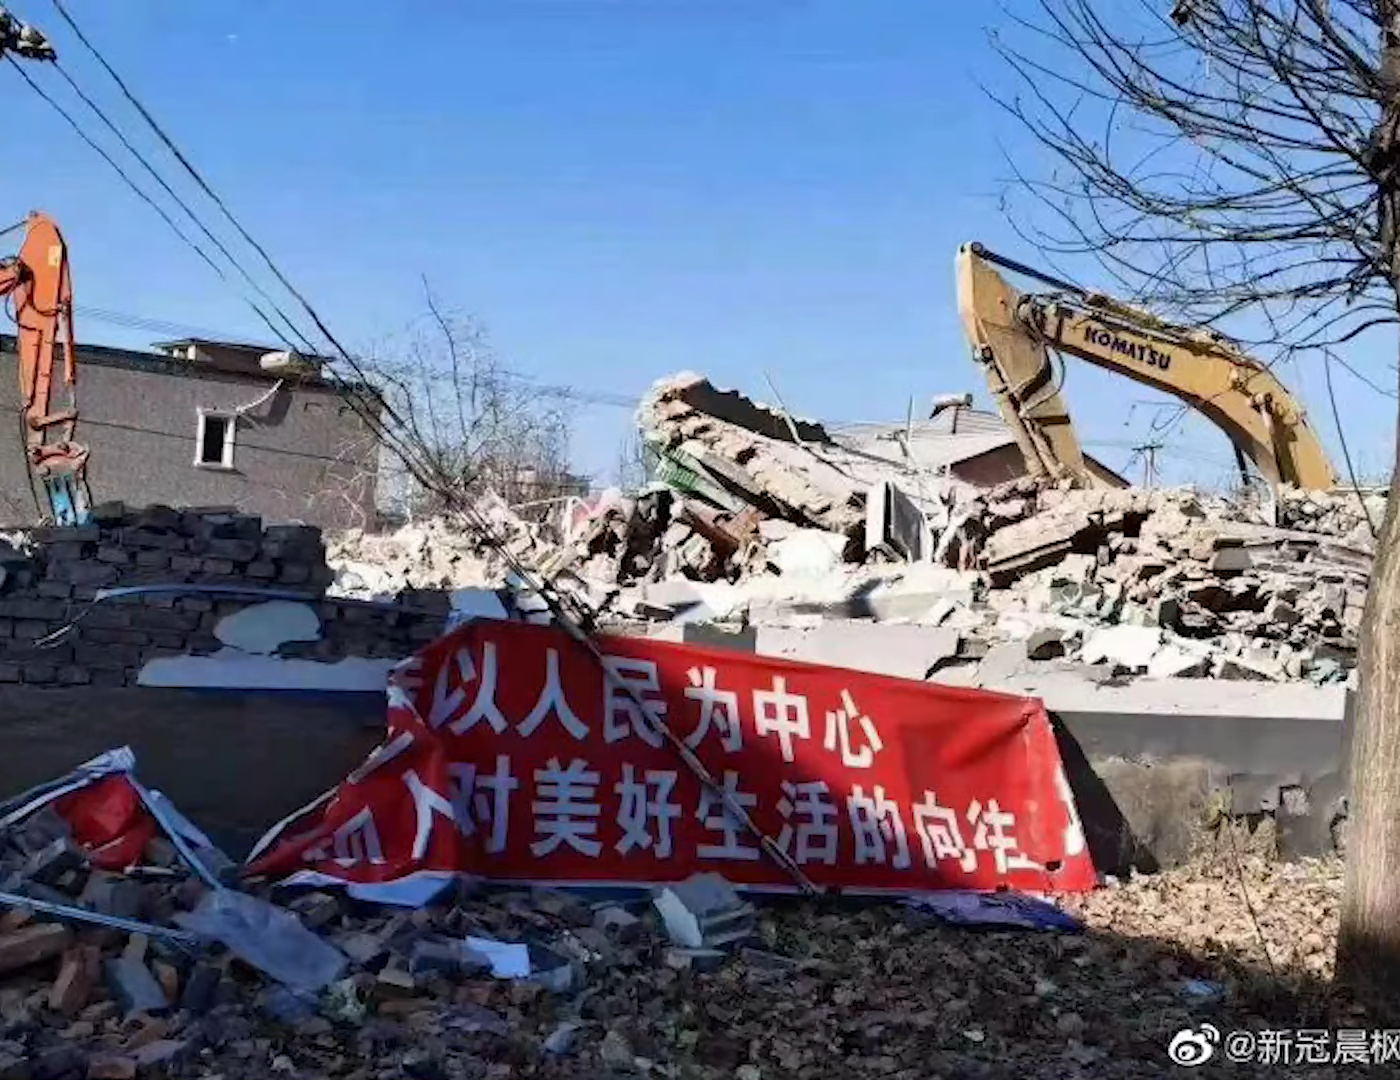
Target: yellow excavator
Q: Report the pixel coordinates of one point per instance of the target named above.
(1013, 334)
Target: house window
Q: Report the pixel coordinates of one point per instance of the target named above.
(214, 440)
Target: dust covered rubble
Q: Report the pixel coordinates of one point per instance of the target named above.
(804, 987)
(758, 518)
(1166, 583)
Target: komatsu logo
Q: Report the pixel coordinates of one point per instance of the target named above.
(1140, 351)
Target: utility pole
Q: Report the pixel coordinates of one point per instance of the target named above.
(1149, 462)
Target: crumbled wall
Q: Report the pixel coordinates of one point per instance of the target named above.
(54, 578)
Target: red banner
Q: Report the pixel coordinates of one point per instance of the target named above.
(510, 755)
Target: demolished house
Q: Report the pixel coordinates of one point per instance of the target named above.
(396, 918)
(760, 519)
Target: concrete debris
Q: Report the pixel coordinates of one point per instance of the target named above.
(758, 519)
(704, 912)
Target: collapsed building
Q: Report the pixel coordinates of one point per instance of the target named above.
(905, 552)
(758, 518)
(1195, 647)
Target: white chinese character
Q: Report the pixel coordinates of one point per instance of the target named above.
(445, 705)
(991, 831)
(635, 810)
(875, 820)
(940, 834)
(354, 842)
(552, 698)
(816, 830)
(838, 728)
(407, 674)
(484, 705)
(778, 711)
(1352, 1047)
(621, 714)
(488, 797)
(1274, 1046)
(381, 755)
(1074, 839)
(426, 803)
(719, 708)
(1385, 1046)
(565, 812)
(724, 822)
(1312, 1047)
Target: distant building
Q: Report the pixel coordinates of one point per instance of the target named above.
(200, 423)
(971, 445)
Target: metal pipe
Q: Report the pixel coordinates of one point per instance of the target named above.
(1030, 272)
(97, 918)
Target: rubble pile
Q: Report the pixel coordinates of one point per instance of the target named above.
(690, 982)
(1169, 584)
(1334, 513)
(758, 518)
(431, 554)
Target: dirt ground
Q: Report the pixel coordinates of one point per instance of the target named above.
(878, 993)
(833, 989)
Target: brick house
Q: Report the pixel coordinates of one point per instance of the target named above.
(200, 423)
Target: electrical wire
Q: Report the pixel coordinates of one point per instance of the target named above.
(1346, 450)
(141, 160)
(467, 510)
(126, 178)
(203, 184)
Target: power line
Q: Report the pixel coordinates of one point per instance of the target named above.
(569, 391)
(141, 159)
(159, 326)
(368, 412)
(126, 178)
(204, 186)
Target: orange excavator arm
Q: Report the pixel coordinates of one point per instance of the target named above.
(39, 290)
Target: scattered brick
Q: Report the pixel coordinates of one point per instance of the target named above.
(77, 977)
(31, 944)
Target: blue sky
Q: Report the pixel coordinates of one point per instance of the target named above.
(619, 189)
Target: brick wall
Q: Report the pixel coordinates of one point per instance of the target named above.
(54, 583)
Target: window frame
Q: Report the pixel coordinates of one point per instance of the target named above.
(225, 462)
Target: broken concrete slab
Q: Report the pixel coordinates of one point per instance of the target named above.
(704, 912)
(808, 553)
(904, 651)
(1175, 662)
(1131, 646)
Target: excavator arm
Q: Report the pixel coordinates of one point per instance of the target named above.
(39, 291)
(1013, 334)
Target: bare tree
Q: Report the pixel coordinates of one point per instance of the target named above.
(636, 462)
(471, 424)
(1238, 158)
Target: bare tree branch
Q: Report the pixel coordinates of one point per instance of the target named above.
(475, 425)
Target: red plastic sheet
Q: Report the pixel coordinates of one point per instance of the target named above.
(107, 818)
(510, 756)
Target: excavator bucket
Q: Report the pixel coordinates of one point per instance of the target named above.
(67, 498)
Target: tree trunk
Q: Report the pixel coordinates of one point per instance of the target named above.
(1368, 950)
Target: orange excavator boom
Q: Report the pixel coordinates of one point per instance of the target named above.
(37, 285)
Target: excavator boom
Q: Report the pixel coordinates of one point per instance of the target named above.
(1013, 333)
(37, 285)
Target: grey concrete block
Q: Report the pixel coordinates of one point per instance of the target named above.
(904, 651)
